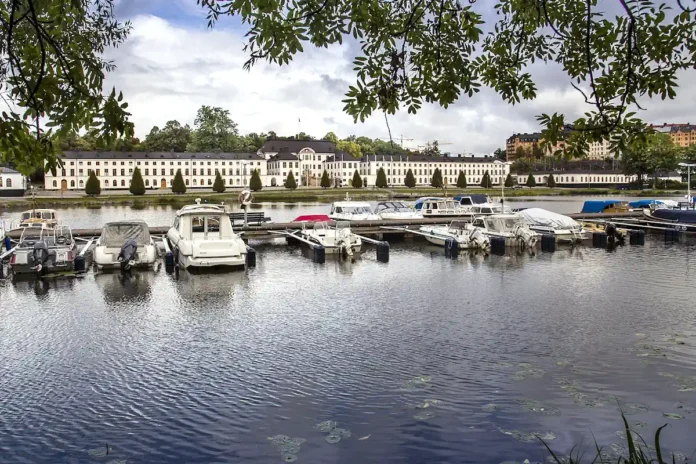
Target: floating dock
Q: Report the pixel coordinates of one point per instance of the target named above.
(266, 230)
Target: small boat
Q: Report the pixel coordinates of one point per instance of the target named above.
(654, 204)
(565, 229)
(604, 206)
(478, 204)
(511, 227)
(396, 210)
(312, 218)
(352, 211)
(684, 220)
(467, 236)
(125, 245)
(44, 251)
(335, 240)
(440, 207)
(45, 218)
(202, 237)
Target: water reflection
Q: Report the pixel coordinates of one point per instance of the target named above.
(210, 288)
(126, 287)
(25, 284)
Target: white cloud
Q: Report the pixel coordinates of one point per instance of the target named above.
(167, 71)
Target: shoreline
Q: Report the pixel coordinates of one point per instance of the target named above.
(307, 195)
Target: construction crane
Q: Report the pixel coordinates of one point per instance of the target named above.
(429, 144)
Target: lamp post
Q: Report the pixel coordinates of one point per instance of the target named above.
(502, 181)
(688, 167)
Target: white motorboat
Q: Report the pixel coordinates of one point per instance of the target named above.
(335, 240)
(43, 251)
(478, 204)
(45, 218)
(125, 245)
(202, 236)
(467, 236)
(352, 211)
(565, 229)
(511, 227)
(396, 210)
(440, 207)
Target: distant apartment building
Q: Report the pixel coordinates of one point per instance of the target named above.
(682, 135)
(519, 143)
(599, 151)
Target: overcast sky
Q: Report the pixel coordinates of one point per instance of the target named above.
(172, 64)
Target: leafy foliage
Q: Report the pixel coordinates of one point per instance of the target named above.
(650, 154)
(173, 137)
(461, 180)
(92, 187)
(531, 181)
(137, 186)
(290, 182)
(486, 180)
(436, 180)
(551, 182)
(215, 131)
(325, 181)
(509, 181)
(357, 180)
(413, 52)
(331, 137)
(178, 184)
(381, 181)
(500, 154)
(432, 149)
(352, 148)
(51, 69)
(218, 184)
(255, 181)
(409, 180)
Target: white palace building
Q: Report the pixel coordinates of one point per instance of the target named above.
(274, 161)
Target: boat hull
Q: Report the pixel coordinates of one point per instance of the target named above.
(23, 263)
(562, 236)
(107, 258)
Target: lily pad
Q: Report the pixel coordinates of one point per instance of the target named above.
(563, 362)
(333, 438)
(537, 406)
(673, 416)
(665, 374)
(326, 426)
(425, 415)
(633, 408)
(288, 457)
(526, 437)
(490, 407)
(343, 433)
(99, 452)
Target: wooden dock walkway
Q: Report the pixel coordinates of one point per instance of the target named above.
(264, 231)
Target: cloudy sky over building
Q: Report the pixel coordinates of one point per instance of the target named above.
(172, 64)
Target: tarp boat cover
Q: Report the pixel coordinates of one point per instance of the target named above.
(598, 206)
(542, 217)
(656, 203)
(114, 234)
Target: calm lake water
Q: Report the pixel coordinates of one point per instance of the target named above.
(423, 359)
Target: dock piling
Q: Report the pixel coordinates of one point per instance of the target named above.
(637, 237)
(451, 248)
(548, 243)
(599, 239)
(251, 257)
(497, 245)
(319, 254)
(671, 235)
(80, 265)
(383, 252)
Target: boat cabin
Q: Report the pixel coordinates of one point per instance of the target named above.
(203, 222)
(472, 199)
(439, 207)
(351, 207)
(115, 234)
(391, 207)
(45, 217)
(499, 224)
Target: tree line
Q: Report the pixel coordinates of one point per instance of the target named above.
(215, 131)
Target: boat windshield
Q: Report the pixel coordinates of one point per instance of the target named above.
(31, 235)
(459, 225)
(396, 206)
(441, 205)
(505, 224)
(319, 226)
(353, 209)
(342, 225)
(206, 223)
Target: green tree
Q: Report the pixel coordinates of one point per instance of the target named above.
(521, 153)
(509, 182)
(173, 137)
(215, 131)
(255, 181)
(178, 184)
(409, 180)
(352, 148)
(218, 184)
(92, 187)
(500, 154)
(325, 181)
(357, 180)
(52, 72)
(432, 149)
(461, 180)
(551, 182)
(537, 153)
(486, 180)
(531, 182)
(381, 179)
(459, 53)
(290, 182)
(436, 180)
(662, 155)
(331, 137)
(137, 186)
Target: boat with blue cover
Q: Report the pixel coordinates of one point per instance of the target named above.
(653, 203)
(679, 219)
(604, 206)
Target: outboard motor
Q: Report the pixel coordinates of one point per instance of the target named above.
(526, 236)
(127, 254)
(479, 240)
(39, 255)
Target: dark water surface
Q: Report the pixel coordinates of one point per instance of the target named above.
(204, 368)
